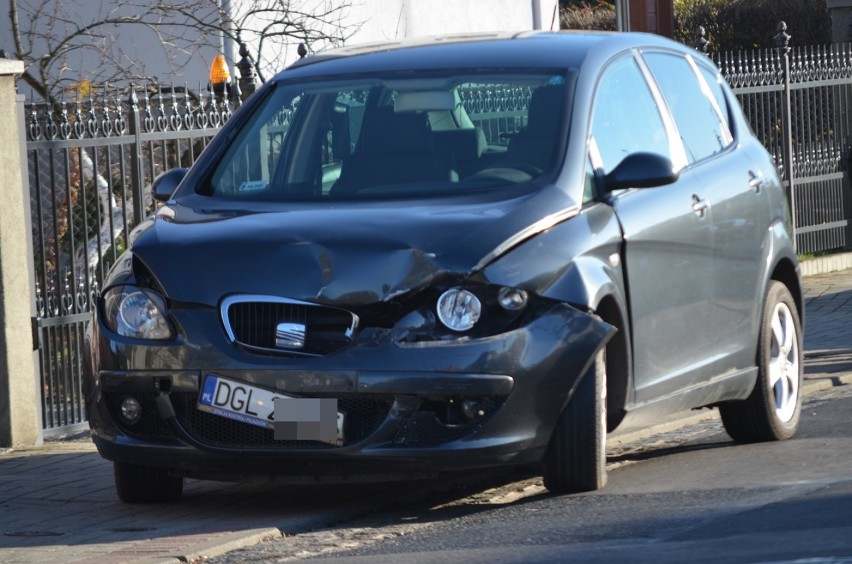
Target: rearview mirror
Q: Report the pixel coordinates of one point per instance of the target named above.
(424, 101)
(641, 170)
(165, 185)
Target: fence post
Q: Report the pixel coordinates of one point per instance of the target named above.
(782, 43)
(135, 124)
(246, 67)
(19, 396)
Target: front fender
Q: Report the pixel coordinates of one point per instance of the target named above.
(577, 261)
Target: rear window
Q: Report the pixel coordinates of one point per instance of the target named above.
(396, 136)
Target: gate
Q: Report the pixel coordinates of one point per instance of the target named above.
(90, 165)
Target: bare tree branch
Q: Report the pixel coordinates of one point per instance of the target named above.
(52, 37)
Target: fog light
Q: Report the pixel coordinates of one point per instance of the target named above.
(512, 299)
(471, 409)
(131, 410)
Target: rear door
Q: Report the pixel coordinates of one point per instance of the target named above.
(732, 183)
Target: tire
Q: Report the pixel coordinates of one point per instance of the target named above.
(575, 460)
(773, 409)
(141, 484)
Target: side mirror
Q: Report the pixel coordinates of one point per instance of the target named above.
(165, 185)
(641, 170)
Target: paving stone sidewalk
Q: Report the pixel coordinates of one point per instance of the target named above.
(57, 502)
(828, 312)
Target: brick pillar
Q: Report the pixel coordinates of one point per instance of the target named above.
(19, 398)
(652, 16)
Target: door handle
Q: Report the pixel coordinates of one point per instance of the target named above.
(755, 180)
(699, 206)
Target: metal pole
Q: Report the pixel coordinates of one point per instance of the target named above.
(227, 43)
(136, 158)
(622, 15)
(782, 42)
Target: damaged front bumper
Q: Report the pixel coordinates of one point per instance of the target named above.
(410, 409)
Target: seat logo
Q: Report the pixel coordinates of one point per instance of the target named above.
(290, 336)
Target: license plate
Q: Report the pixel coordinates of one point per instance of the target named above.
(256, 406)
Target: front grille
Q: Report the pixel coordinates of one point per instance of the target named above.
(362, 416)
(253, 321)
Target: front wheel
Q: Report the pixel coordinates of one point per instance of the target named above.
(773, 409)
(576, 457)
(142, 484)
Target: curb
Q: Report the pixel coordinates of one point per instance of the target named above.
(200, 551)
(825, 353)
(826, 264)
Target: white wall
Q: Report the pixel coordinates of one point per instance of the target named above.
(371, 21)
(395, 19)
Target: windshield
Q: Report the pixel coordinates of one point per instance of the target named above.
(396, 136)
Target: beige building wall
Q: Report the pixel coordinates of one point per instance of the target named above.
(19, 399)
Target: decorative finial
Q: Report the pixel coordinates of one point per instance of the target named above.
(702, 45)
(782, 38)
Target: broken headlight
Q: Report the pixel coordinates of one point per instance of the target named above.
(480, 310)
(458, 309)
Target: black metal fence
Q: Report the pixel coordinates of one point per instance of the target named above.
(90, 164)
(799, 103)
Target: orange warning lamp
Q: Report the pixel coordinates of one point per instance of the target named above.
(219, 75)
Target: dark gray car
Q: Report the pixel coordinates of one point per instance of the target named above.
(452, 254)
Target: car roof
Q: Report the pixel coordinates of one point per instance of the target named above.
(489, 50)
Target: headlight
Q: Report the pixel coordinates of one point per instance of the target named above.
(459, 309)
(137, 312)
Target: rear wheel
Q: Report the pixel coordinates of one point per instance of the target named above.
(773, 409)
(576, 457)
(142, 484)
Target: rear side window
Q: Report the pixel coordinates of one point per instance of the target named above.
(714, 81)
(692, 103)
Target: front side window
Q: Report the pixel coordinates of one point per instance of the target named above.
(625, 117)
(396, 136)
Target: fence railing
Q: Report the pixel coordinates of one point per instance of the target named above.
(91, 163)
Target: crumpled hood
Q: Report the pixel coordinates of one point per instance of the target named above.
(340, 254)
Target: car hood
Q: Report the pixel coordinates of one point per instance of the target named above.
(342, 254)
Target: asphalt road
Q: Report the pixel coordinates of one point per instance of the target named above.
(689, 495)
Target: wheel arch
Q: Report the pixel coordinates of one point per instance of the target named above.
(617, 362)
(787, 272)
